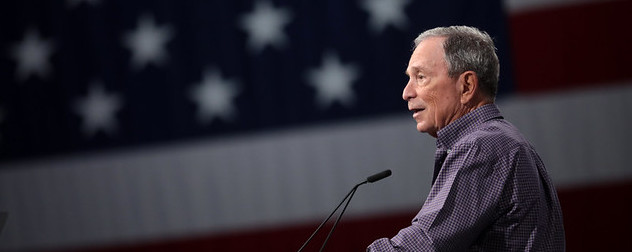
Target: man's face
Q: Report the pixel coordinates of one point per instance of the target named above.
(432, 95)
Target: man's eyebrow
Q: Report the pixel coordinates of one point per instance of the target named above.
(413, 69)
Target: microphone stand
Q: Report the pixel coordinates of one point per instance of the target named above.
(370, 179)
(340, 215)
(351, 193)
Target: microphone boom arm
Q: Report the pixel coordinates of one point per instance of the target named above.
(370, 179)
(332, 213)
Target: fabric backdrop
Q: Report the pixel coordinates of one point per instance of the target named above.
(238, 125)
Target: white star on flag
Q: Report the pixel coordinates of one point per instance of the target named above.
(147, 43)
(333, 82)
(32, 55)
(97, 109)
(214, 97)
(265, 26)
(385, 12)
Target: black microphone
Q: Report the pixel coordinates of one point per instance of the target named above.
(378, 176)
(370, 179)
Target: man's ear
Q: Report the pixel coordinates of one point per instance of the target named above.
(468, 81)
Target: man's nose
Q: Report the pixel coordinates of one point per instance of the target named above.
(409, 92)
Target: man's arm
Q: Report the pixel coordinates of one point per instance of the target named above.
(463, 201)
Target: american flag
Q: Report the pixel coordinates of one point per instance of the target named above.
(231, 125)
(93, 75)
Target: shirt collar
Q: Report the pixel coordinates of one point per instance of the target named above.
(466, 124)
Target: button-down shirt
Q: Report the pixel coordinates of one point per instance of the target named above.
(490, 192)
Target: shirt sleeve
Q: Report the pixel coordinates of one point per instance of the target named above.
(463, 201)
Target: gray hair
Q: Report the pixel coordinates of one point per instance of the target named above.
(468, 49)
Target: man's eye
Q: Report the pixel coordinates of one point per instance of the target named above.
(420, 76)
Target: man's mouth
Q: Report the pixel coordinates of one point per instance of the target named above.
(416, 111)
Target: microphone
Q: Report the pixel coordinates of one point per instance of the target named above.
(379, 176)
(373, 178)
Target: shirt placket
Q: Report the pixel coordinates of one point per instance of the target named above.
(440, 156)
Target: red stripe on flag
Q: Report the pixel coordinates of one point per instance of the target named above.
(597, 218)
(572, 46)
(352, 234)
(588, 228)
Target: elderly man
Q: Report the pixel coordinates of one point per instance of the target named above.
(490, 190)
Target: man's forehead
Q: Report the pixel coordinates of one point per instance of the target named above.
(423, 63)
(428, 54)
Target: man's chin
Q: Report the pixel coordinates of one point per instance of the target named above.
(429, 131)
(421, 128)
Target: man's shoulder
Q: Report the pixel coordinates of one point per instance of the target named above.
(496, 134)
(497, 144)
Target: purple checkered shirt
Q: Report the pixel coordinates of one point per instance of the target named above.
(490, 192)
